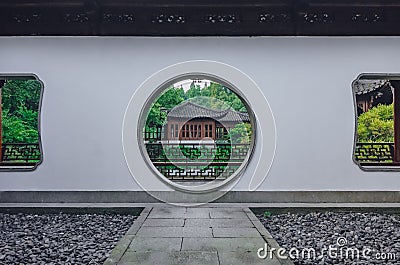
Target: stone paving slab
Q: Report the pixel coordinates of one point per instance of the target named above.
(160, 232)
(222, 244)
(164, 222)
(226, 214)
(227, 209)
(235, 232)
(168, 235)
(167, 212)
(229, 223)
(197, 222)
(248, 258)
(203, 213)
(170, 258)
(143, 244)
(235, 223)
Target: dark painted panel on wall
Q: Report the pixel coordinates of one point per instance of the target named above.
(199, 18)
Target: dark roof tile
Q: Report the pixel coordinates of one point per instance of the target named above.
(365, 86)
(190, 110)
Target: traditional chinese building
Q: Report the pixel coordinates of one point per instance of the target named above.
(190, 121)
(370, 93)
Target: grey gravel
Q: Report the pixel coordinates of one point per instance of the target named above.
(378, 232)
(60, 238)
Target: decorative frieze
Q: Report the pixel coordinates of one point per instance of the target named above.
(225, 19)
(118, 18)
(169, 19)
(275, 18)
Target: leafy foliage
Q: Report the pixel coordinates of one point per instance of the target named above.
(376, 125)
(20, 100)
(241, 133)
(169, 99)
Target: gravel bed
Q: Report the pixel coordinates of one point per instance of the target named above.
(375, 234)
(60, 238)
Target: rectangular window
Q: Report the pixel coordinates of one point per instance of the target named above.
(210, 134)
(176, 130)
(377, 138)
(20, 103)
(183, 131)
(221, 132)
(200, 131)
(195, 130)
(172, 131)
(187, 131)
(206, 130)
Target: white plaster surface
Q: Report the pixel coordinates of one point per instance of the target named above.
(307, 81)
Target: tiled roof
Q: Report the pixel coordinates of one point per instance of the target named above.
(365, 86)
(190, 110)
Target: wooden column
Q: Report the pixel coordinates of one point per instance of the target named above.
(2, 82)
(396, 118)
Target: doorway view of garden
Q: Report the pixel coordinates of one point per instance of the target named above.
(19, 119)
(377, 102)
(198, 130)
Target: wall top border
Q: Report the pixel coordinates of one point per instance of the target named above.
(200, 18)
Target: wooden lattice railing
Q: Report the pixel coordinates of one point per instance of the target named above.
(374, 152)
(20, 153)
(204, 161)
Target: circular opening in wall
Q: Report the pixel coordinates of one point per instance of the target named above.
(197, 133)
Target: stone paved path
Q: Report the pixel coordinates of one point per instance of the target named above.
(194, 235)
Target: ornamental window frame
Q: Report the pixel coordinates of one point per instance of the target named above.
(377, 156)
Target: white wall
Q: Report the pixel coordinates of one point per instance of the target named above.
(89, 81)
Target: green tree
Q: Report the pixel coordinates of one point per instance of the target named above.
(241, 133)
(16, 130)
(157, 113)
(20, 105)
(376, 125)
(225, 97)
(20, 93)
(193, 91)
